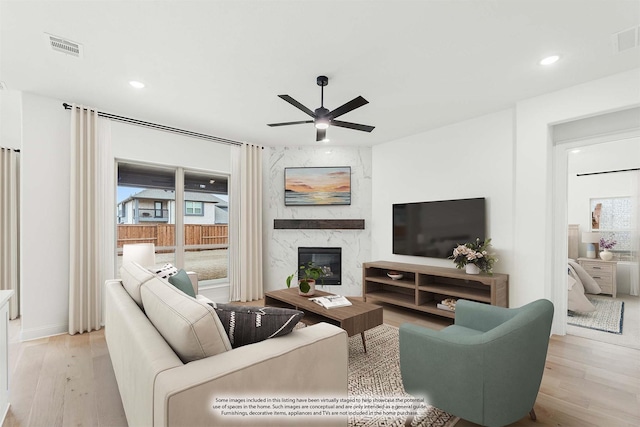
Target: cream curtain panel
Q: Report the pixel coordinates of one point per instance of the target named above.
(10, 226)
(91, 216)
(245, 223)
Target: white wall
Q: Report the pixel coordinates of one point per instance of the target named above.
(469, 159)
(147, 145)
(45, 158)
(10, 119)
(44, 228)
(281, 246)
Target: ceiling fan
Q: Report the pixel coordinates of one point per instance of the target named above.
(322, 117)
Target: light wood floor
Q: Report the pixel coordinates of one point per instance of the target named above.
(68, 381)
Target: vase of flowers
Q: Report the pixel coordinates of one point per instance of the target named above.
(472, 269)
(474, 257)
(606, 245)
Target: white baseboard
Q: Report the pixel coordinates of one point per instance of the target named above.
(34, 334)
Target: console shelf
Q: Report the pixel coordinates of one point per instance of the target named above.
(422, 287)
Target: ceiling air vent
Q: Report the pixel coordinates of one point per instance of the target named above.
(626, 39)
(63, 45)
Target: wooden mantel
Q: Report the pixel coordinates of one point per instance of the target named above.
(318, 224)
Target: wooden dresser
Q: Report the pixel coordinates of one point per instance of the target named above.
(604, 273)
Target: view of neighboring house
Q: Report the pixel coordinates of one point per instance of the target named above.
(158, 206)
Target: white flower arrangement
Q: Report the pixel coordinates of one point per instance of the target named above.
(474, 253)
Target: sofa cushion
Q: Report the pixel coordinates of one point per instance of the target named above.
(182, 281)
(133, 275)
(247, 325)
(189, 326)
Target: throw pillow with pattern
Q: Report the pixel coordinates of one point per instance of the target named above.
(248, 325)
(165, 271)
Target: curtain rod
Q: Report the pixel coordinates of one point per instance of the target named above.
(598, 173)
(160, 127)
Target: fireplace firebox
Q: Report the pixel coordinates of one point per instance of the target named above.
(329, 259)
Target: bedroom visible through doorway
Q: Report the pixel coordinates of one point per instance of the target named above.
(604, 171)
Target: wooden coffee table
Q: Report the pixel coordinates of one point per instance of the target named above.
(355, 318)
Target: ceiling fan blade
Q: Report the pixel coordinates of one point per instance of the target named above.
(351, 105)
(290, 123)
(296, 104)
(321, 134)
(349, 125)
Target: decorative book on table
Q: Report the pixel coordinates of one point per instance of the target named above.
(331, 301)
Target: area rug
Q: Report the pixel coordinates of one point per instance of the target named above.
(608, 316)
(376, 375)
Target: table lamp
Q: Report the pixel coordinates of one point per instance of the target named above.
(140, 253)
(590, 238)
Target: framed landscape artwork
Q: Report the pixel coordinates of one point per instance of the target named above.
(317, 186)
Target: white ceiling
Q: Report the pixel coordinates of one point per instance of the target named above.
(217, 67)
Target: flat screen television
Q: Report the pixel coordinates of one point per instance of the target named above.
(433, 229)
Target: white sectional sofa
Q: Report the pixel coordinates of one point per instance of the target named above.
(158, 389)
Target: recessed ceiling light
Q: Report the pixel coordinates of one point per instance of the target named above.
(136, 84)
(550, 60)
(576, 151)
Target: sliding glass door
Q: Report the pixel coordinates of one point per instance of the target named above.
(184, 213)
(206, 224)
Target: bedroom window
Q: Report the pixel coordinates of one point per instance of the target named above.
(612, 217)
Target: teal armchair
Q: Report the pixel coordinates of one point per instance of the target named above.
(486, 367)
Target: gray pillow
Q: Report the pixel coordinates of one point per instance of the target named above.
(181, 281)
(247, 325)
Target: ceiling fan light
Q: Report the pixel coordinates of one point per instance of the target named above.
(322, 124)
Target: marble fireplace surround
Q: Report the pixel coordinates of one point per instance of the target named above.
(281, 244)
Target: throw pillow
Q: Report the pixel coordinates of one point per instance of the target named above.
(248, 325)
(165, 271)
(181, 281)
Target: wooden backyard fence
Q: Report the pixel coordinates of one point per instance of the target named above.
(198, 236)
